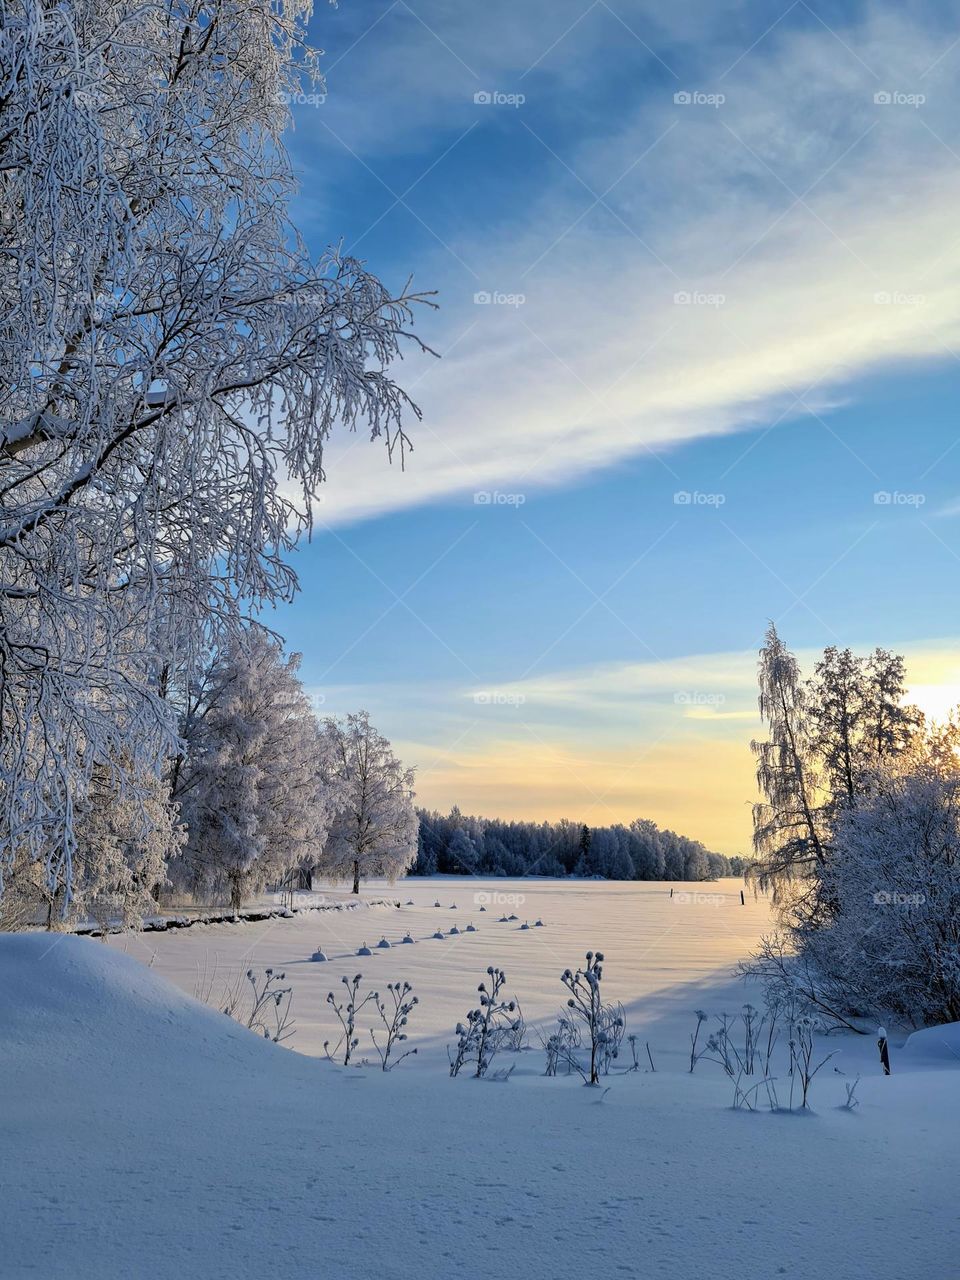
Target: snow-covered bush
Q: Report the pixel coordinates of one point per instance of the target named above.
(602, 1025)
(561, 1046)
(346, 1013)
(894, 935)
(394, 1018)
(887, 943)
(495, 1025)
(264, 1006)
(126, 832)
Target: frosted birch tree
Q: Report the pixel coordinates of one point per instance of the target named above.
(252, 790)
(789, 835)
(826, 738)
(172, 360)
(374, 829)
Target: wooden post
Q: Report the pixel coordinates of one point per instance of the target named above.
(884, 1050)
(743, 901)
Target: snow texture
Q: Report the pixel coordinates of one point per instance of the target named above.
(144, 1135)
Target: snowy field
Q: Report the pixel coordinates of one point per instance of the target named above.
(663, 955)
(142, 1135)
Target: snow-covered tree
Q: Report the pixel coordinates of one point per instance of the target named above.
(893, 941)
(788, 822)
(172, 361)
(558, 849)
(826, 738)
(373, 831)
(462, 852)
(127, 832)
(252, 790)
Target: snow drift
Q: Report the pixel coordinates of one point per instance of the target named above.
(143, 1135)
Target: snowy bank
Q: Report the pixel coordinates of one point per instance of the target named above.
(144, 1135)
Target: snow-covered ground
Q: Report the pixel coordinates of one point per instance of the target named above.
(142, 1135)
(663, 954)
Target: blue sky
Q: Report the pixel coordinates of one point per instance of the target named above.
(718, 329)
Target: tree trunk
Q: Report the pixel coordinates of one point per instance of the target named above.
(356, 877)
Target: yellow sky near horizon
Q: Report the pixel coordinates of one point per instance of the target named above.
(668, 741)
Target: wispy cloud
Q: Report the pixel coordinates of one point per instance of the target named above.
(688, 270)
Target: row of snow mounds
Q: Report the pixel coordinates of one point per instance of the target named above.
(162, 924)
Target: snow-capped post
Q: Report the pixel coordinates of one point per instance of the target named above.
(884, 1049)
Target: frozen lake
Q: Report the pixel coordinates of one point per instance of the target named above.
(664, 955)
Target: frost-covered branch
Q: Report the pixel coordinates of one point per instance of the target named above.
(173, 363)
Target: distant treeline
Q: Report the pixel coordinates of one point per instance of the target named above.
(455, 844)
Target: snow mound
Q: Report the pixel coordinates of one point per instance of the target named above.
(935, 1044)
(68, 1003)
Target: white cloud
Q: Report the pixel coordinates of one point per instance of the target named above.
(600, 362)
